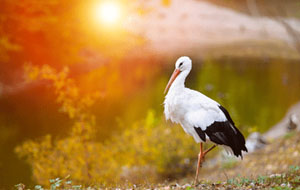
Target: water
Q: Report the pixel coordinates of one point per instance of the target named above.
(257, 93)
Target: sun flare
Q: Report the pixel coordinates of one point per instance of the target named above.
(108, 12)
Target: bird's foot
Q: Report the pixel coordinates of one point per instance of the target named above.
(200, 162)
(196, 182)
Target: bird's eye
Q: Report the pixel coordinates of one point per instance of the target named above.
(180, 64)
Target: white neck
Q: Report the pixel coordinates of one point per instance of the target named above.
(178, 83)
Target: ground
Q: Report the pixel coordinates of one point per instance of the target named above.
(276, 157)
(277, 166)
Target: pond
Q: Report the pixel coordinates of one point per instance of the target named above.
(256, 92)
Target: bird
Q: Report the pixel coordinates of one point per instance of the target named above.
(200, 116)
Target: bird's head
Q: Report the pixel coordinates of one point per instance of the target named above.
(183, 64)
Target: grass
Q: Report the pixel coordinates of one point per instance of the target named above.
(283, 181)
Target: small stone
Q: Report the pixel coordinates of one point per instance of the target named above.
(203, 185)
(295, 154)
(186, 185)
(283, 185)
(275, 175)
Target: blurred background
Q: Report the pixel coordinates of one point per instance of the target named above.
(81, 82)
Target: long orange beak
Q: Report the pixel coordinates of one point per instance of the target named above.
(173, 77)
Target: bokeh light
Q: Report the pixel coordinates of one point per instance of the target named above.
(108, 12)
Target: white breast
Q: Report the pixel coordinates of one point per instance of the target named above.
(174, 107)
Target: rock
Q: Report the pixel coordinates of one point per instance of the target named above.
(293, 122)
(280, 129)
(255, 141)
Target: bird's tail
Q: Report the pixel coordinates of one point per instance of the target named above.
(239, 144)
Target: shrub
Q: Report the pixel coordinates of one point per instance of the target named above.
(143, 152)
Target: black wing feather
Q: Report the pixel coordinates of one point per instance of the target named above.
(200, 133)
(222, 133)
(226, 114)
(225, 133)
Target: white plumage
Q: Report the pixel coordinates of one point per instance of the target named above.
(192, 109)
(199, 116)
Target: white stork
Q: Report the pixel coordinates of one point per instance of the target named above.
(200, 116)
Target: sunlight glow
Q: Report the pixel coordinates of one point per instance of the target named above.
(108, 12)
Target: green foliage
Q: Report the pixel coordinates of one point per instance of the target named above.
(289, 134)
(55, 184)
(146, 150)
(73, 103)
(51, 158)
(149, 147)
(294, 169)
(285, 181)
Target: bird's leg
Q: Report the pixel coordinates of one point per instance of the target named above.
(200, 156)
(205, 152)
